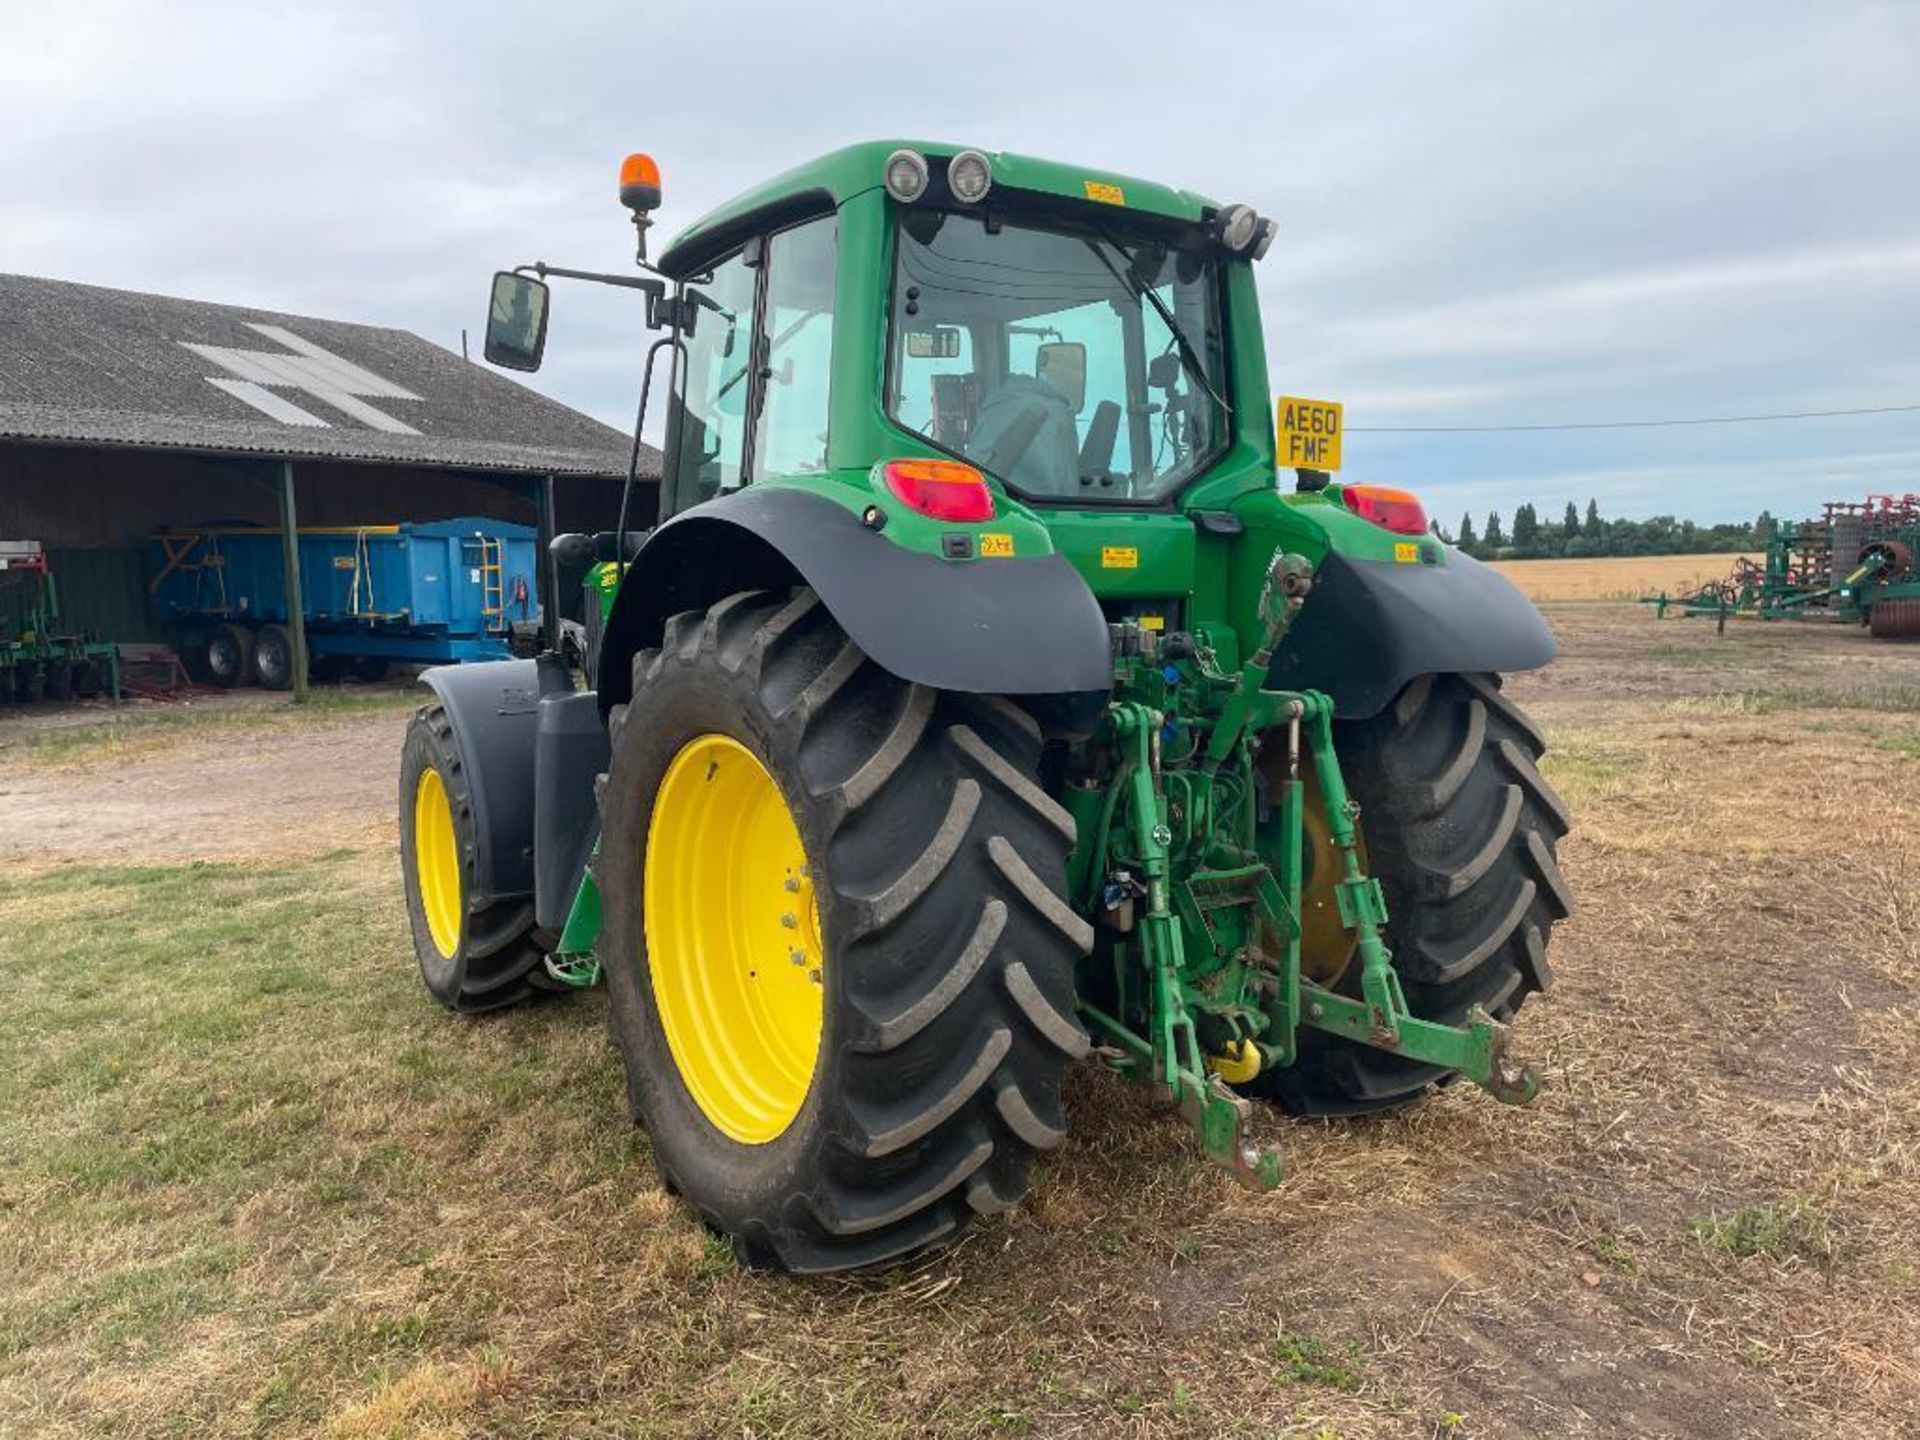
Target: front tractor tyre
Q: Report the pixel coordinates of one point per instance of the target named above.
(472, 956)
(1460, 829)
(836, 936)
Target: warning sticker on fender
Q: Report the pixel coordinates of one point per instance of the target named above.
(1119, 557)
(995, 546)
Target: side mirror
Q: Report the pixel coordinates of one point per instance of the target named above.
(1063, 365)
(516, 322)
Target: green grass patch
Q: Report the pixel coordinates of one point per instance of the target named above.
(1780, 1230)
(1584, 769)
(228, 1113)
(1304, 1360)
(1889, 699)
(138, 728)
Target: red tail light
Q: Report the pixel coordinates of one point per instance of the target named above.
(940, 489)
(1397, 510)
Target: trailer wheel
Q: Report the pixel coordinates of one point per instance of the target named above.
(273, 658)
(228, 658)
(1460, 829)
(369, 669)
(837, 940)
(471, 959)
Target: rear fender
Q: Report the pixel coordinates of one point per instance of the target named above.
(1025, 626)
(1371, 626)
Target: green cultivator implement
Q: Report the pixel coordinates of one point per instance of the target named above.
(1852, 564)
(39, 660)
(981, 702)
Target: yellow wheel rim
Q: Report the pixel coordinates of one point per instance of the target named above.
(734, 953)
(1326, 945)
(436, 861)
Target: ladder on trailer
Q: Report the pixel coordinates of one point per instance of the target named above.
(493, 590)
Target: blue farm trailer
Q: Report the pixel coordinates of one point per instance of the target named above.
(425, 593)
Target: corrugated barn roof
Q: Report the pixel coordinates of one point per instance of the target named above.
(84, 364)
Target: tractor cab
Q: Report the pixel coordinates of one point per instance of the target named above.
(1062, 331)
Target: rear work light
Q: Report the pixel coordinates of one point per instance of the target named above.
(1397, 510)
(940, 489)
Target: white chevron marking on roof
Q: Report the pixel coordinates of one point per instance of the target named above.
(309, 369)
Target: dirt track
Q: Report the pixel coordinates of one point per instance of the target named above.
(1703, 1228)
(197, 781)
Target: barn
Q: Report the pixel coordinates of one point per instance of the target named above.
(125, 415)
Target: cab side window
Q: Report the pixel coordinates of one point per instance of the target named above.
(797, 371)
(709, 424)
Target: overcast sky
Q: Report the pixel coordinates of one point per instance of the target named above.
(1500, 213)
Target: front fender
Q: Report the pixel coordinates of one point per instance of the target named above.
(1370, 626)
(493, 708)
(1015, 626)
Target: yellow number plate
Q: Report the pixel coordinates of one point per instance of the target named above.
(1106, 194)
(995, 546)
(1310, 432)
(1119, 557)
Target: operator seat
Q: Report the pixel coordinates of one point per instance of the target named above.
(1046, 464)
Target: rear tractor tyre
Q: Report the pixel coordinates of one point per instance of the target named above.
(840, 956)
(228, 659)
(1460, 830)
(471, 959)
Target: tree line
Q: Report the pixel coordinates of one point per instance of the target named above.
(1531, 538)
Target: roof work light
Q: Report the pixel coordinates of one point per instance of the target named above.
(969, 176)
(906, 175)
(1236, 227)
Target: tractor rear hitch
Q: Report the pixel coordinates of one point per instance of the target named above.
(1209, 987)
(1221, 1117)
(1477, 1049)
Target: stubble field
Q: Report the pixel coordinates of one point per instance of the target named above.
(1620, 577)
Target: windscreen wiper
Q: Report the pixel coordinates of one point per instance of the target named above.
(1189, 357)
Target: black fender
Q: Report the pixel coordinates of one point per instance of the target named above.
(1027, 627)
(1371, 626)
(494, 709)
(531, 747)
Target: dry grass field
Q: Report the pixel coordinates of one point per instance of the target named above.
(252, 1183)
(1617, 578)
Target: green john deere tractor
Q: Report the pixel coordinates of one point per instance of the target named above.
(981, 703)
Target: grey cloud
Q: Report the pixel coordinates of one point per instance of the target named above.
(1491, 212)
